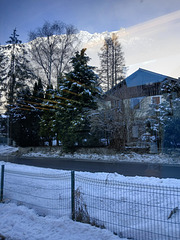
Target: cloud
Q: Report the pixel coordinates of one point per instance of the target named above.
(153, 44)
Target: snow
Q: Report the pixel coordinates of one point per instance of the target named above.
(121, 157)
(21, 223)
(38, 184)
(7, 150)
(131, 157)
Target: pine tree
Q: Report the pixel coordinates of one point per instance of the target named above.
(170, 112)
(164, 125)
(25, 115)
(21, 113)
(77, 96)
(14, 70)
(36, 102)
(47, 123)
(112, 69)
(14, 66)
(15, 73)
(3, 68)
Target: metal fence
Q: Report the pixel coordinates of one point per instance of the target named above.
(48, 194)
(130, 210)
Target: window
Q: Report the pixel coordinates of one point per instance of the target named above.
(135, 103)
(135, 130)
(108, 104)
(117, 104)
(156, 100)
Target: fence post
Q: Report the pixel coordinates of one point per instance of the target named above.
(2, 182)
(72, 195)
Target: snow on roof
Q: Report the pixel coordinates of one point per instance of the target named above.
(144, 77)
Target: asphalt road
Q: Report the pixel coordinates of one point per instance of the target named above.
(124, 168)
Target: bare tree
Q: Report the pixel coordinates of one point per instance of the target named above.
(52, 45)
(114, 121)
(112, 68)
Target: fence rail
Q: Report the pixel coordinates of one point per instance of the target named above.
(130, 210)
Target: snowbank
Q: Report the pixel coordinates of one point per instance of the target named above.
(21, 223)
(130, 157)
(7, 150)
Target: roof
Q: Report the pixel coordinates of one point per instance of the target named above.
(144, 77)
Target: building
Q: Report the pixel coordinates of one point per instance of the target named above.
(136, 100)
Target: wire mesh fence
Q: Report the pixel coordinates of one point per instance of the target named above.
(130, 210)
(134, 211)
(48, 194)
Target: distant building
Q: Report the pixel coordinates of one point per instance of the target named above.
(137, 99)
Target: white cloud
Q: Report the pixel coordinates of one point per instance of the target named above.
(153, 45)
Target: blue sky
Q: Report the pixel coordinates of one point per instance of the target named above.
(88, 15)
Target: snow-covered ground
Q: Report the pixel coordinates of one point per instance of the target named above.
(48, 190)
(7, 150)
(21, 223)
(130, 157)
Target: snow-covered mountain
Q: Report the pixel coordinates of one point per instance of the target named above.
(153, 45)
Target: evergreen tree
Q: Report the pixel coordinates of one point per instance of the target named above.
(164, 125)
(170, 112)
(22, 118)
(26, 116)
(77, 96)
(47, 123)
(14, 69)
(37, 100)
(14, 72)
(3, 69)
(112, 69)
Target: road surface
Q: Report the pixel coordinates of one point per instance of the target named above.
(124, 168)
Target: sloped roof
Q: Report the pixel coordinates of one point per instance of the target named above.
(144, 77)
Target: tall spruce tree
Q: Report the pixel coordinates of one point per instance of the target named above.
(21, 113)
(3, 69)
(26, 115)
(47, 123)
(15, 72)
(77, 96)
(36, 103)
(112, 69)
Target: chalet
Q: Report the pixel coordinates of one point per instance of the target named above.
(137, 100)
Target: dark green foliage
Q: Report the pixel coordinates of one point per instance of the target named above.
(14, 71)
(36, 101)
(23, 116)
(47, 123)
(3, 129)
(77, 94)
(26, 116)
(14, 38)
(172, 133)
